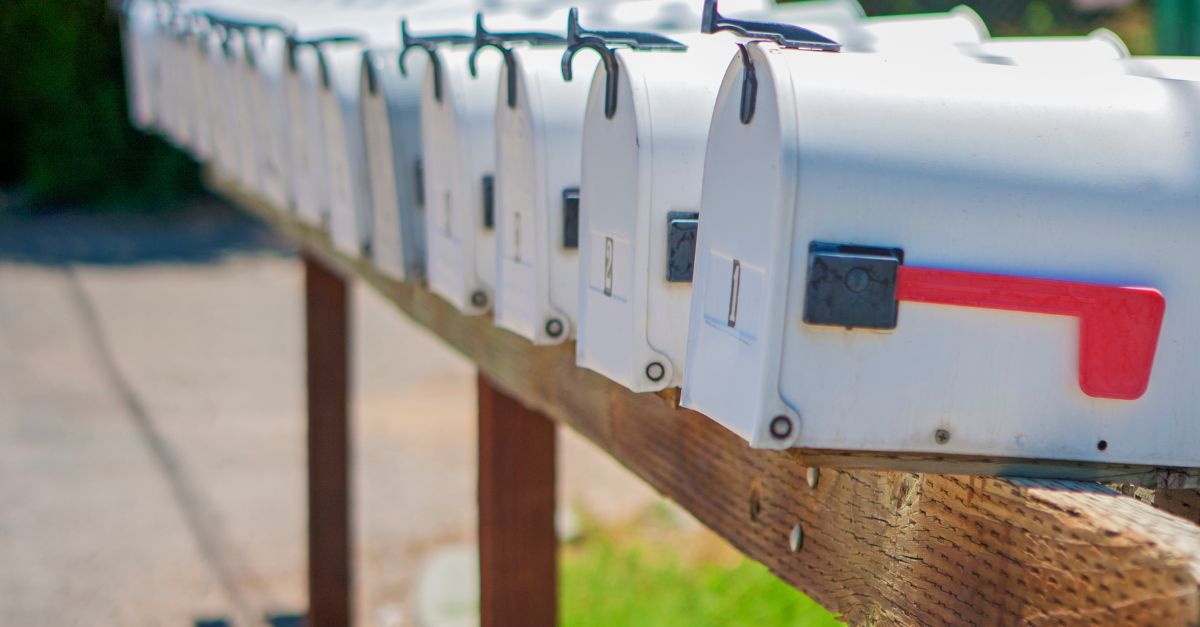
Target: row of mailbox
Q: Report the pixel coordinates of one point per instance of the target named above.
(741, 208)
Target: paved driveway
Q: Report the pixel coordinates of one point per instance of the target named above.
(151, 432)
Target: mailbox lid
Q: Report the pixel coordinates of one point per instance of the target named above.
(998, 170)
(458, 151)
(538, 144)
(639, 167)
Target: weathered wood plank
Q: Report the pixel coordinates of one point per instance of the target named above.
(878, 546)
(518, 547)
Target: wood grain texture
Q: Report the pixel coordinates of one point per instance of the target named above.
(880, 547)
(1183, 503)
(518, 547)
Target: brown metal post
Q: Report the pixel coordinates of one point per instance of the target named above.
(518, 548)
(326, 329)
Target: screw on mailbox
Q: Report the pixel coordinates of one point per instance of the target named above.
(941, 436)
(554, 327)
(479, 298)
(655, 371)
(796, 540)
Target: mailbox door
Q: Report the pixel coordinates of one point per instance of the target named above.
(271, 115)
(248, 138)
(538, 143)
(457, 140)
(391, 109)
(641, 186)
(200, 82)
(738, 289)
(309, 178)
(223, 112)
(345, 150)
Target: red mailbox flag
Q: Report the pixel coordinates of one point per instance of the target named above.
(1118, 326)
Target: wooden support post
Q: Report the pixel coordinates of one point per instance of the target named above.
(326, 327)
(518, 548)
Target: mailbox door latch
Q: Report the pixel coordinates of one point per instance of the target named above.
(682, 227)
(852, 286)
(570, 208)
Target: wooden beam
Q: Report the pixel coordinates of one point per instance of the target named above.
(877, 546)
(326, 329)
(518, 547)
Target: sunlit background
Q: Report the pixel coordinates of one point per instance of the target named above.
(151, 433)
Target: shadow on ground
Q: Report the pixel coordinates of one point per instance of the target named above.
(204, 231)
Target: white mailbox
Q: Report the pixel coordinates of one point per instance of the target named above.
(345, 148)
(978, 260)
(644, 136)
(241, 81)
(539, 123)
(263, 62)
(139, 23)
(221, 107)
(306, 129)
(391, 128)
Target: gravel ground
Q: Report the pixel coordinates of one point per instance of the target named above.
(151, 431)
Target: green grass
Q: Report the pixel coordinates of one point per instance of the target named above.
(606, 581)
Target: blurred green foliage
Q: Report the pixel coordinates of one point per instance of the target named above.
(1132, 20)
(609, 580)
(65, 138)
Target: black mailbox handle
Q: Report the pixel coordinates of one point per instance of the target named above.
(488, 39)
(428, 43)
(786, 35)
(579, 38)
(294, 43)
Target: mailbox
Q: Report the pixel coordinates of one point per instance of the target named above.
(980, 260)
(458, 162)
(258, 51)
(306, 129)
(391, 128)
(539, 123)
(345, 148)
(644, 135)
(139, 24)
(221, 107)
(240, 77)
